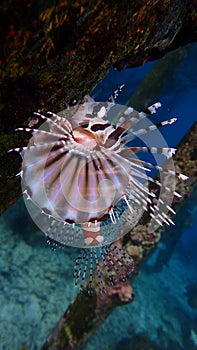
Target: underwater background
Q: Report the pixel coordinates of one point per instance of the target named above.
(36, 283)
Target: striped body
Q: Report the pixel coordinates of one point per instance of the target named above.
(83, 183)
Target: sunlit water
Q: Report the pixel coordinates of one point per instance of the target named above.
(36, 283)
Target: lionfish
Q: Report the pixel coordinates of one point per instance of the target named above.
(85, 186)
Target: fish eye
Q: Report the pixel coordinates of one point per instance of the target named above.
(100, 127)
(72, 102)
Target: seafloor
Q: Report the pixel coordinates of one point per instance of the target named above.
(37, 286)
(164, 313)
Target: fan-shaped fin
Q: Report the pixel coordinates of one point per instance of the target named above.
(112, 265)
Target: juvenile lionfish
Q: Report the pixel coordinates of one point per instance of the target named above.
(85, 186)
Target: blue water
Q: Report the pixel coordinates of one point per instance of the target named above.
(178, 96)
(37, 284)
(160, 317)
